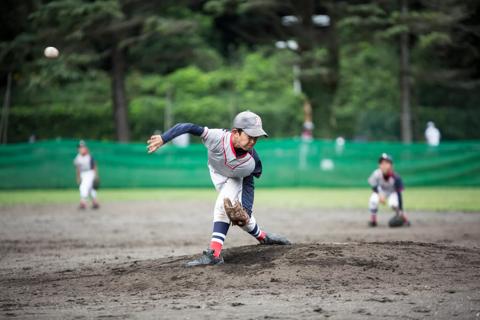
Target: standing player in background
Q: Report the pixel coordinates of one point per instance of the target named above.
(432, 134)
(233, 163)
(87, 175)
(386, 186)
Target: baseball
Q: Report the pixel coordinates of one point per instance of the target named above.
(51, 52)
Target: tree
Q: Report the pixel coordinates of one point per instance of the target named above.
(410, 25)
(263, 22)
(405, 82)
(103, 35)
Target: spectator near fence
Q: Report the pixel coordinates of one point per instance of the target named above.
(432, 134)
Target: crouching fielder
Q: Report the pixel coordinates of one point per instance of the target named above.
(233, 164)
(387, 186)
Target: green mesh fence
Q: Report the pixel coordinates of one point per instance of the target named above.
(286, 163)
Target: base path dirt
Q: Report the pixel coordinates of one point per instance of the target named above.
(127, 260)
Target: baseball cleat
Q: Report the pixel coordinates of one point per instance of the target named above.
(372, 224)
(95, 206)
(271, 239)
(82, 206)
(206, 259)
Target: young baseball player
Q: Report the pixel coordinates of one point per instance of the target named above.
(87, 172)
(386, 186)
(233, 163)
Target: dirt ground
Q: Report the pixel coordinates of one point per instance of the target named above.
(127, 261)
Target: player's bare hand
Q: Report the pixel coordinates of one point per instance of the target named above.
(154, 143)
(382, 199)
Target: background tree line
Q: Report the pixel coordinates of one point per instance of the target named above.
(372, 70)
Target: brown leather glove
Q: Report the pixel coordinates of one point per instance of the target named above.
(236, 213)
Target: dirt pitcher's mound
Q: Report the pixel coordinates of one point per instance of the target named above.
(348, 280)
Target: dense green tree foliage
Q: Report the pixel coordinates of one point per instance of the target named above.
(130, 67)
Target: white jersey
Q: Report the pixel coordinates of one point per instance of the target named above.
(432, 135)
(84, 163)
(222, 157)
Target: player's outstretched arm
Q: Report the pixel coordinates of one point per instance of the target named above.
(156, 141)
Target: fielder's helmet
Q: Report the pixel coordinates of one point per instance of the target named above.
(385, 157)
(81, 143)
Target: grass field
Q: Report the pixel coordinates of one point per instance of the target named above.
(431, 199)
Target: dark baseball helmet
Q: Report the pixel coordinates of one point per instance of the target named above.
(385, 157)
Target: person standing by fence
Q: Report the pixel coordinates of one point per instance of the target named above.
(432, 134)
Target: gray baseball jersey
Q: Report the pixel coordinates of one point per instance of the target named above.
(222, 157)
(385, 184)
(84, 163)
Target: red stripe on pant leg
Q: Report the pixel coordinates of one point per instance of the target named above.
(261, 236)
(216, 247)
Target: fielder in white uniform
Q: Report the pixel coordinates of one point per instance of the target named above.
(387, 186)
(233, 163)
(87, 173)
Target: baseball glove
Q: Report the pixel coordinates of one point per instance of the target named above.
(236, 213)
(396, 221)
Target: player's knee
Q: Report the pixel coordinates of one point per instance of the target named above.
(393, 202)
(83, 191)
(373, 201)
(232, 188)
(219, 213)
(220, 217)
(250, 225)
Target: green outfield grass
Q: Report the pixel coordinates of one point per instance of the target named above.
(433, 199)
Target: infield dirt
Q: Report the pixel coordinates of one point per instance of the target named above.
(127, 259)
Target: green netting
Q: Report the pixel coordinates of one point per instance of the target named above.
(286, 163)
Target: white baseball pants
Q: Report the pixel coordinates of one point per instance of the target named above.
(392, 200)
(228, 188)
(86, 185)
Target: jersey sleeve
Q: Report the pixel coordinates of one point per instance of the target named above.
(398, 184)
(373, 181)
(248, 192)
(75, 161)
(400, 200)
(248, 187)
(92, 163)
(212, 138)
(257, 172)
(182, 128)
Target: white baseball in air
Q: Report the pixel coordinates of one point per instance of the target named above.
(51, 52)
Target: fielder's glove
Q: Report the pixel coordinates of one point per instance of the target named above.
(396, 221)
(236, 213)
